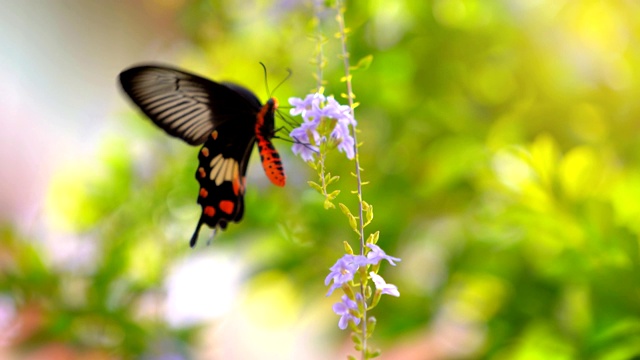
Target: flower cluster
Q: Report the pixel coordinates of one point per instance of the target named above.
(325, 122)
(342, 274)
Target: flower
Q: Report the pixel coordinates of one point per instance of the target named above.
(343, 270)
(303, 144)
(343, 308)
(333, 109)
(302, 107)
(345, 141)
(382, 285)
(377, 254)
(317, 111)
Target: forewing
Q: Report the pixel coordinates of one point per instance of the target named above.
(183, 104)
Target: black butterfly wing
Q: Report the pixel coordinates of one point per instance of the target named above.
(221, 174)
(186, 105)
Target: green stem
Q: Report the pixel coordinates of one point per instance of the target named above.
(319, 45)
(345, 58)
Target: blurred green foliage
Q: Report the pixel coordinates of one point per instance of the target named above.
(500, 143)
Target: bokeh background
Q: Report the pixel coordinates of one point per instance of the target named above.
(500, 140)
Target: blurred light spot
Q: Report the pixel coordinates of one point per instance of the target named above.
(544, 159)
(70, 252)
(201, 288)
(597, 24)
(272, 300)
(425, 258)
(627, 212)
(597, 37)
(513, 171)
(424, 266)
(540, 340)
(143, 259)
(390, 22)
(68, 202)
(475, 297)
(580, 172)
(450, 12)
(456, 338)
(463, 14)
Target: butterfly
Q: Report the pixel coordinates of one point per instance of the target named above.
(227, 119)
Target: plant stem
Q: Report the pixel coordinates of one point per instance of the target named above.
(320, 64)
(345, 58)
(319, 44)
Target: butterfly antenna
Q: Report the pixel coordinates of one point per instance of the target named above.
(266, 80)
(289, 73)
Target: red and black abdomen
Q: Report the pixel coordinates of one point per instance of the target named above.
(269, 156)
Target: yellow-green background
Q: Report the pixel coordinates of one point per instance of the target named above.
(500, 143)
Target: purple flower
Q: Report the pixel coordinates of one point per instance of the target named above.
(316, 109)
(333, 109)
(343, 309)
(382, 285)
(303, 145)
(377, 254)
(343, 270)
(310, 103)
(345, 141)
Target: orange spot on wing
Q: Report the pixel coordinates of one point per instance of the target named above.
(203, 193)
(214, 134)
(209, 211)
(227, 206)
(202, 172)
(205, 152)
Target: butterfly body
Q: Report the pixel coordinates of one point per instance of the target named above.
(226, 118)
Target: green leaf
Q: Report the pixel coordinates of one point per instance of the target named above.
(354, 224)
(369, 215)
(347, 248)
(357, 340)
(334, 194)
(345, 209)
(371, 325)
(315, 185)
(328, 204)
(373, 238)
(373, 354)
(363, 63)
